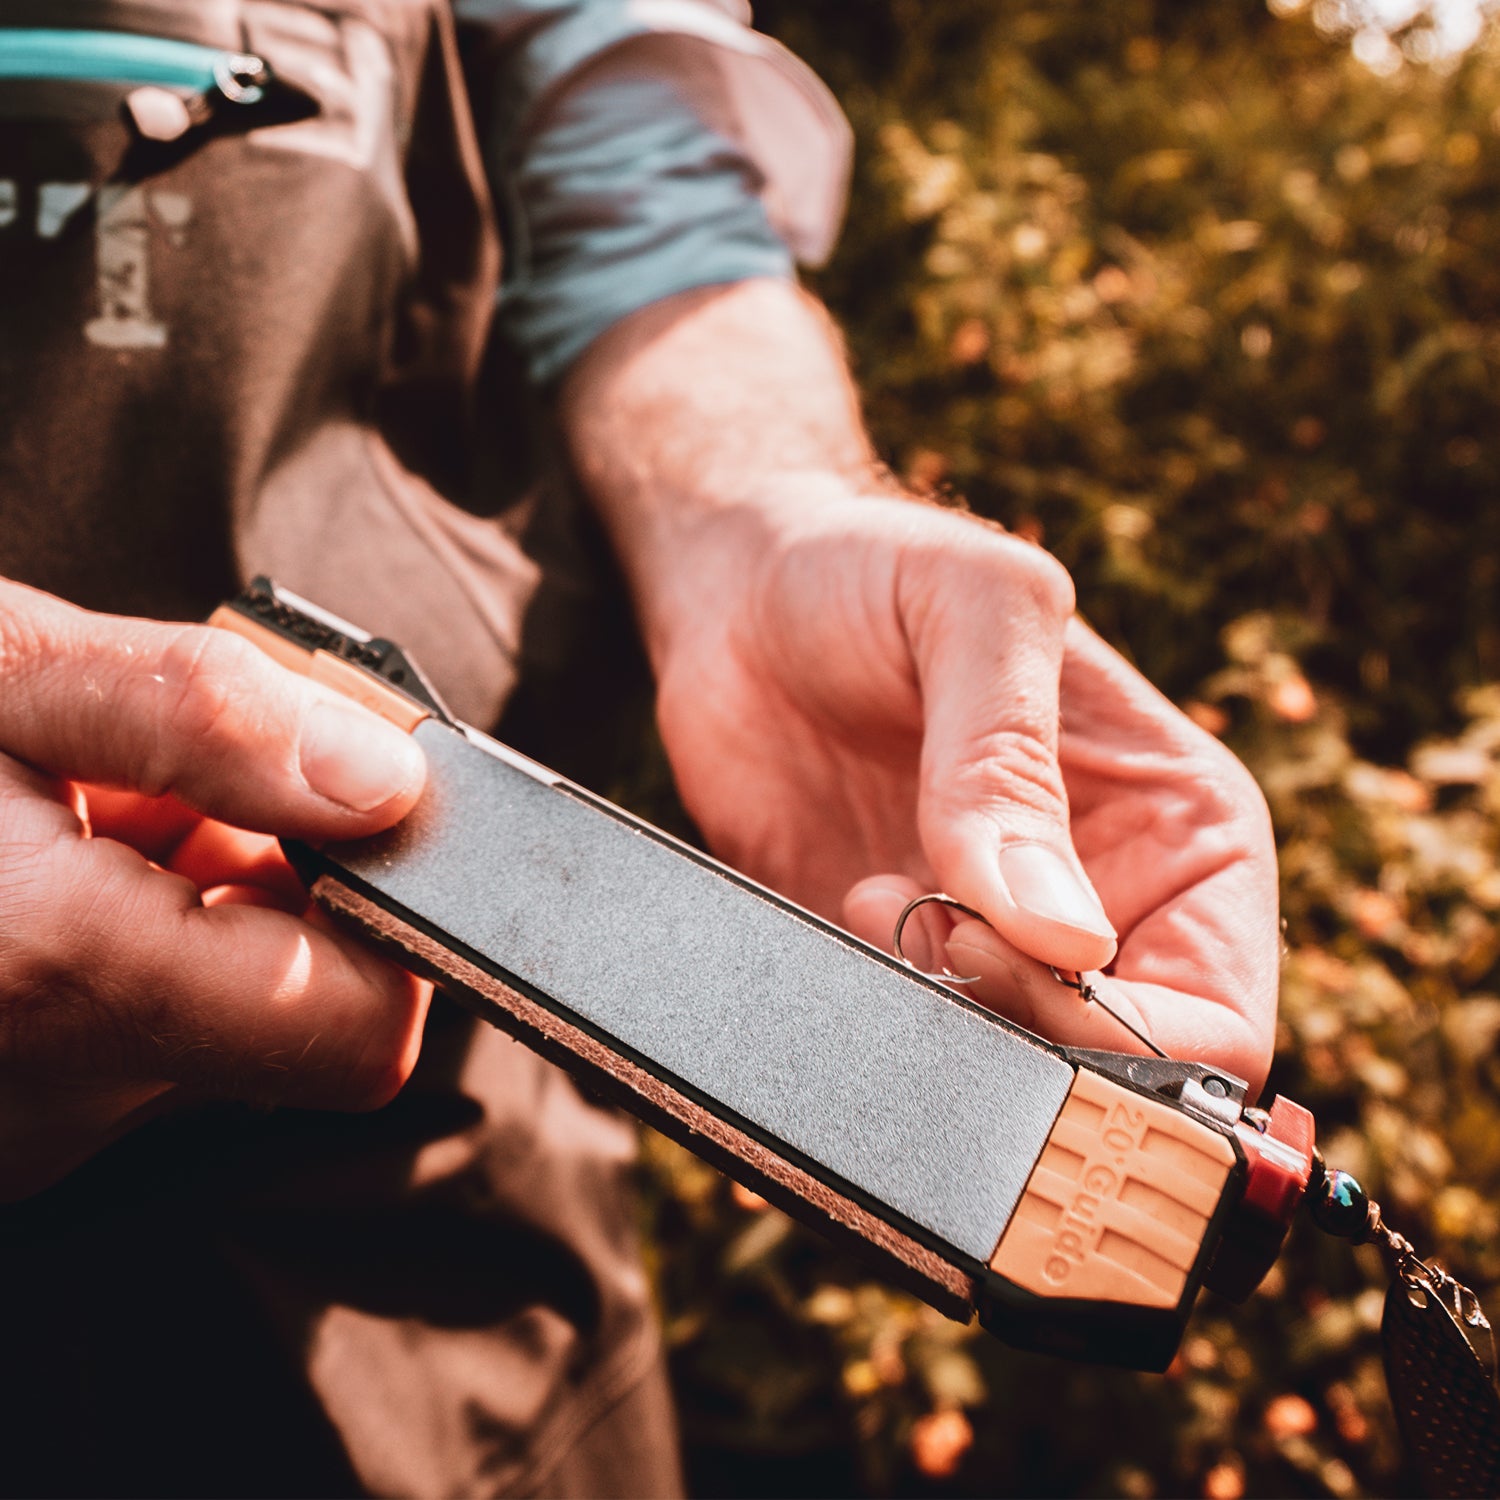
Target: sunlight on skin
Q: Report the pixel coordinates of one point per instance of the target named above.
(156, 953)
(294, 982)
(1026, 991)
(865, 697)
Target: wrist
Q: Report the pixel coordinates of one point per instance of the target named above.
(698, 424)
(705, 558)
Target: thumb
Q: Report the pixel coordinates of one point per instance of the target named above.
(987, 641)
(195, 711)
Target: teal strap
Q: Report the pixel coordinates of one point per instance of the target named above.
(107, 57)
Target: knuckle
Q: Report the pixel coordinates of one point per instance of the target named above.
(56, 1011)
(1007, 769)
(23, 643)
(959, 573)
(1243, 796)
(198, 684)
(20, 638)
(199, 680)
(1046, 582)
(34, 1006)
(1023, 570)
(31, 959)
(1231, 795)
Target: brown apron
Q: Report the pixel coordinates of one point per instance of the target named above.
(250, 344)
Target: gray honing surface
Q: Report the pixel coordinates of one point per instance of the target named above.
(914, 1098)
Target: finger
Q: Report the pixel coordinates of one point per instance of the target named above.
(1176, 831)
(985, 616)
(1027, 992)
(251, 895)
(874, 906)
(214, 854)
(154, 825)
(231, 999)
(197, 712)
(209, 853)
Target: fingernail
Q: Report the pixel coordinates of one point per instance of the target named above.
(1042, 883)
(354, 758)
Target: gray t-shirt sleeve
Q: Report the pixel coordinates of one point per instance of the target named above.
(638, 148)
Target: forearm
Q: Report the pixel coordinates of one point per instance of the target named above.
(709, 402)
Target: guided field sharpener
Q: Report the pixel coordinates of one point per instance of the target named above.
(1075, 1199)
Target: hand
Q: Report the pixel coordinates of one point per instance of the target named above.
(166, 946)
(860, 695)
(860, 699)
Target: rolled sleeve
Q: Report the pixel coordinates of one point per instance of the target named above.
(643, 147)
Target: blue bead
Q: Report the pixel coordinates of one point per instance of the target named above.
(1341, 1206)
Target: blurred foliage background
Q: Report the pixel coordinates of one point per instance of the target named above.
(1207, 299)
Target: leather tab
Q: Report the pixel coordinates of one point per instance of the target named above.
(324, 667)
(366, 689)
